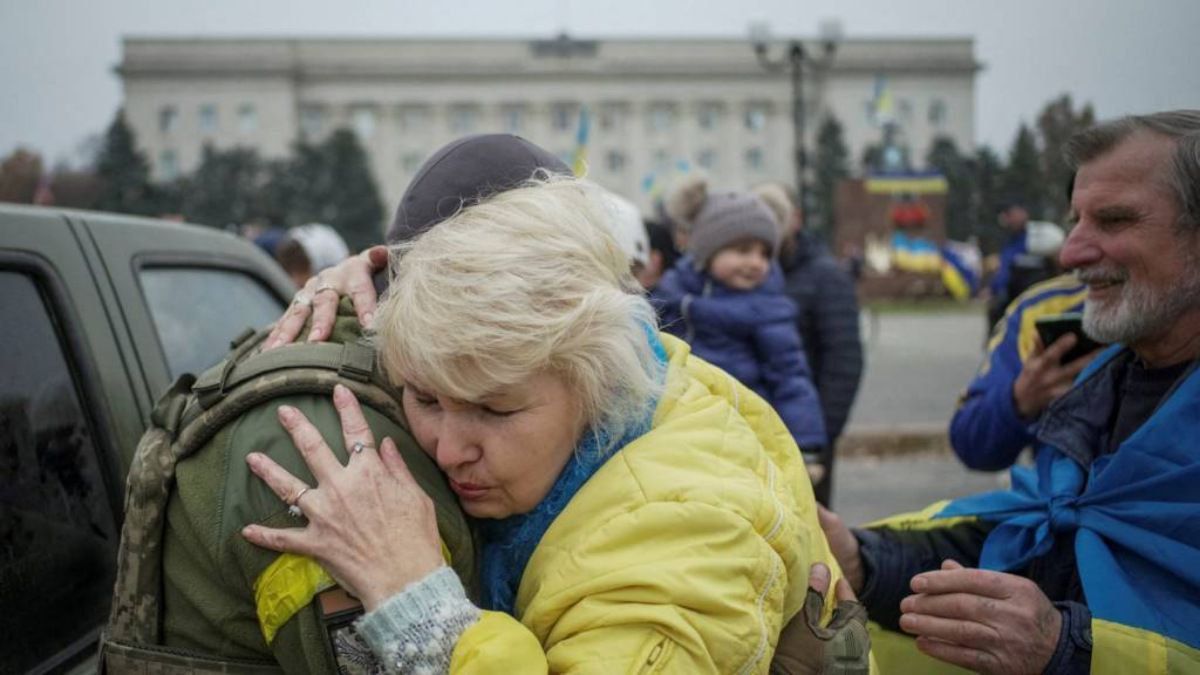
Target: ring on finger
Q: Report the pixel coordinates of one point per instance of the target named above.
(322, 287)
(359, 446)
(294, 509)
(302, 298)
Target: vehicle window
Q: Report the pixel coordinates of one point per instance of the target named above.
(58, 537)
(197, 311)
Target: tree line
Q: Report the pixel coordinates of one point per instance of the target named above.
(328, 182)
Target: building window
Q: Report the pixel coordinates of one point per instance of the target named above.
(707, 159)
(754, 159)
(612, 116)
(208, 118)
(168, 165)
(904, 109)
(168, 119)
(363, 121)
(661, 159)
(937, 112)
(562, 116)
(756, 116)
(614, 161)
(709, 116)
(414, 118)
(410, 162)
(312, 121)
(247, 119)
(512, 117)
(661, 117)
(463, 118)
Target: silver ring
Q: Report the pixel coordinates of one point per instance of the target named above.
(302, 298)
(322, 288)
(294, 509)
(358, 447)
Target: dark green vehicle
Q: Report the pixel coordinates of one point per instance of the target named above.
(98, 315)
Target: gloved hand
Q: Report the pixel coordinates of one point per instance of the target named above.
(806, 647)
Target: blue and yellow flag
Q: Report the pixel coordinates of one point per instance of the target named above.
(579, 163)
(1134, 516)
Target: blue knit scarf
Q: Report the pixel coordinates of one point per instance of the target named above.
(508, 543)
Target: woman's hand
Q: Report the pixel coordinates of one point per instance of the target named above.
(369, 524)
(354, 276)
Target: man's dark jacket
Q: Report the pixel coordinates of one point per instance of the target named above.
(827, 321)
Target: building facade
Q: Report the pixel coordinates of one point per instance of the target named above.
(653, 108)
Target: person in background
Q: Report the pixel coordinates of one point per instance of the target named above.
(1019, 267)
(308, 249)
(827, 318)
(725, 298)
(663, 254)
(1020, 377)
(640, 510)
(624, 221)
(1090, 562)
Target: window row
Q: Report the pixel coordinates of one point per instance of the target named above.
(618, 161)
(903, 111)
(208, 119)
(561, 117)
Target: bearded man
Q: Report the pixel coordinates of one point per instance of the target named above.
(1091, 561)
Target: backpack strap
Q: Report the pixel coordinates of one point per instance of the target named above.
(136, 594)
(187, 416)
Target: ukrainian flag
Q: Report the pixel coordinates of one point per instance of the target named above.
(915, 254)
(579, 164)
(960, 279)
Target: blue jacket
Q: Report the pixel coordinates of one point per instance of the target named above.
(1015, 246)
(986, 431)
(749, 334)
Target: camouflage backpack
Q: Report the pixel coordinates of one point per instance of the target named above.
(191, 413)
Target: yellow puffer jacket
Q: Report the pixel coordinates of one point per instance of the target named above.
(685, 553)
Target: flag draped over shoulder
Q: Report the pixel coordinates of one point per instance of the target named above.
(1135, 514)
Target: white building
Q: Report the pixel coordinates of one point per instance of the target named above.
(656, 107)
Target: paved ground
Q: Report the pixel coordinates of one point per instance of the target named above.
(917, 364)
(867, 488)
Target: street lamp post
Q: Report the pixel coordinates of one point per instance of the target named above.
(794, 61)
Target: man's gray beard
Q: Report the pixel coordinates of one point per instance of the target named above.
(1139, 311)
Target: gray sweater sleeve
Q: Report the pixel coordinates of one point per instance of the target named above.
(415, 631)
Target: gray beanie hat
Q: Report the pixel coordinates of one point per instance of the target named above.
(727, 217)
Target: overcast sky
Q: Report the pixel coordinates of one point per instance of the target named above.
(57, 56)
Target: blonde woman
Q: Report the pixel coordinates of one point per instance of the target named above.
(640, 510)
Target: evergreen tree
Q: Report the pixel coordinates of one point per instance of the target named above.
(225, 187)
(1023, 179)
(988, 170)
(347, 198)
(960, 216)
(124, 173)
(832, 165)
(1057, 122)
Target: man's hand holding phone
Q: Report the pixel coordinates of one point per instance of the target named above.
(1048, 372)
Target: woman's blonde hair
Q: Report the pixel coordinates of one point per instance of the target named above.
(527, 281)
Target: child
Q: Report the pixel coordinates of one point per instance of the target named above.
(725, 298)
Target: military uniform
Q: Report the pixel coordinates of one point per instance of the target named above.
(233, 606)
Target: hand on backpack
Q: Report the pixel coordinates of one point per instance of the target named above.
(354, 276)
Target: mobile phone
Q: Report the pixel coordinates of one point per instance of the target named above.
(1051, 328)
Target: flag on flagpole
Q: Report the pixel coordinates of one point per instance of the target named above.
(579, 164)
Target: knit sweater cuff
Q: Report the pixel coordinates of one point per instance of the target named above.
(415, 631)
